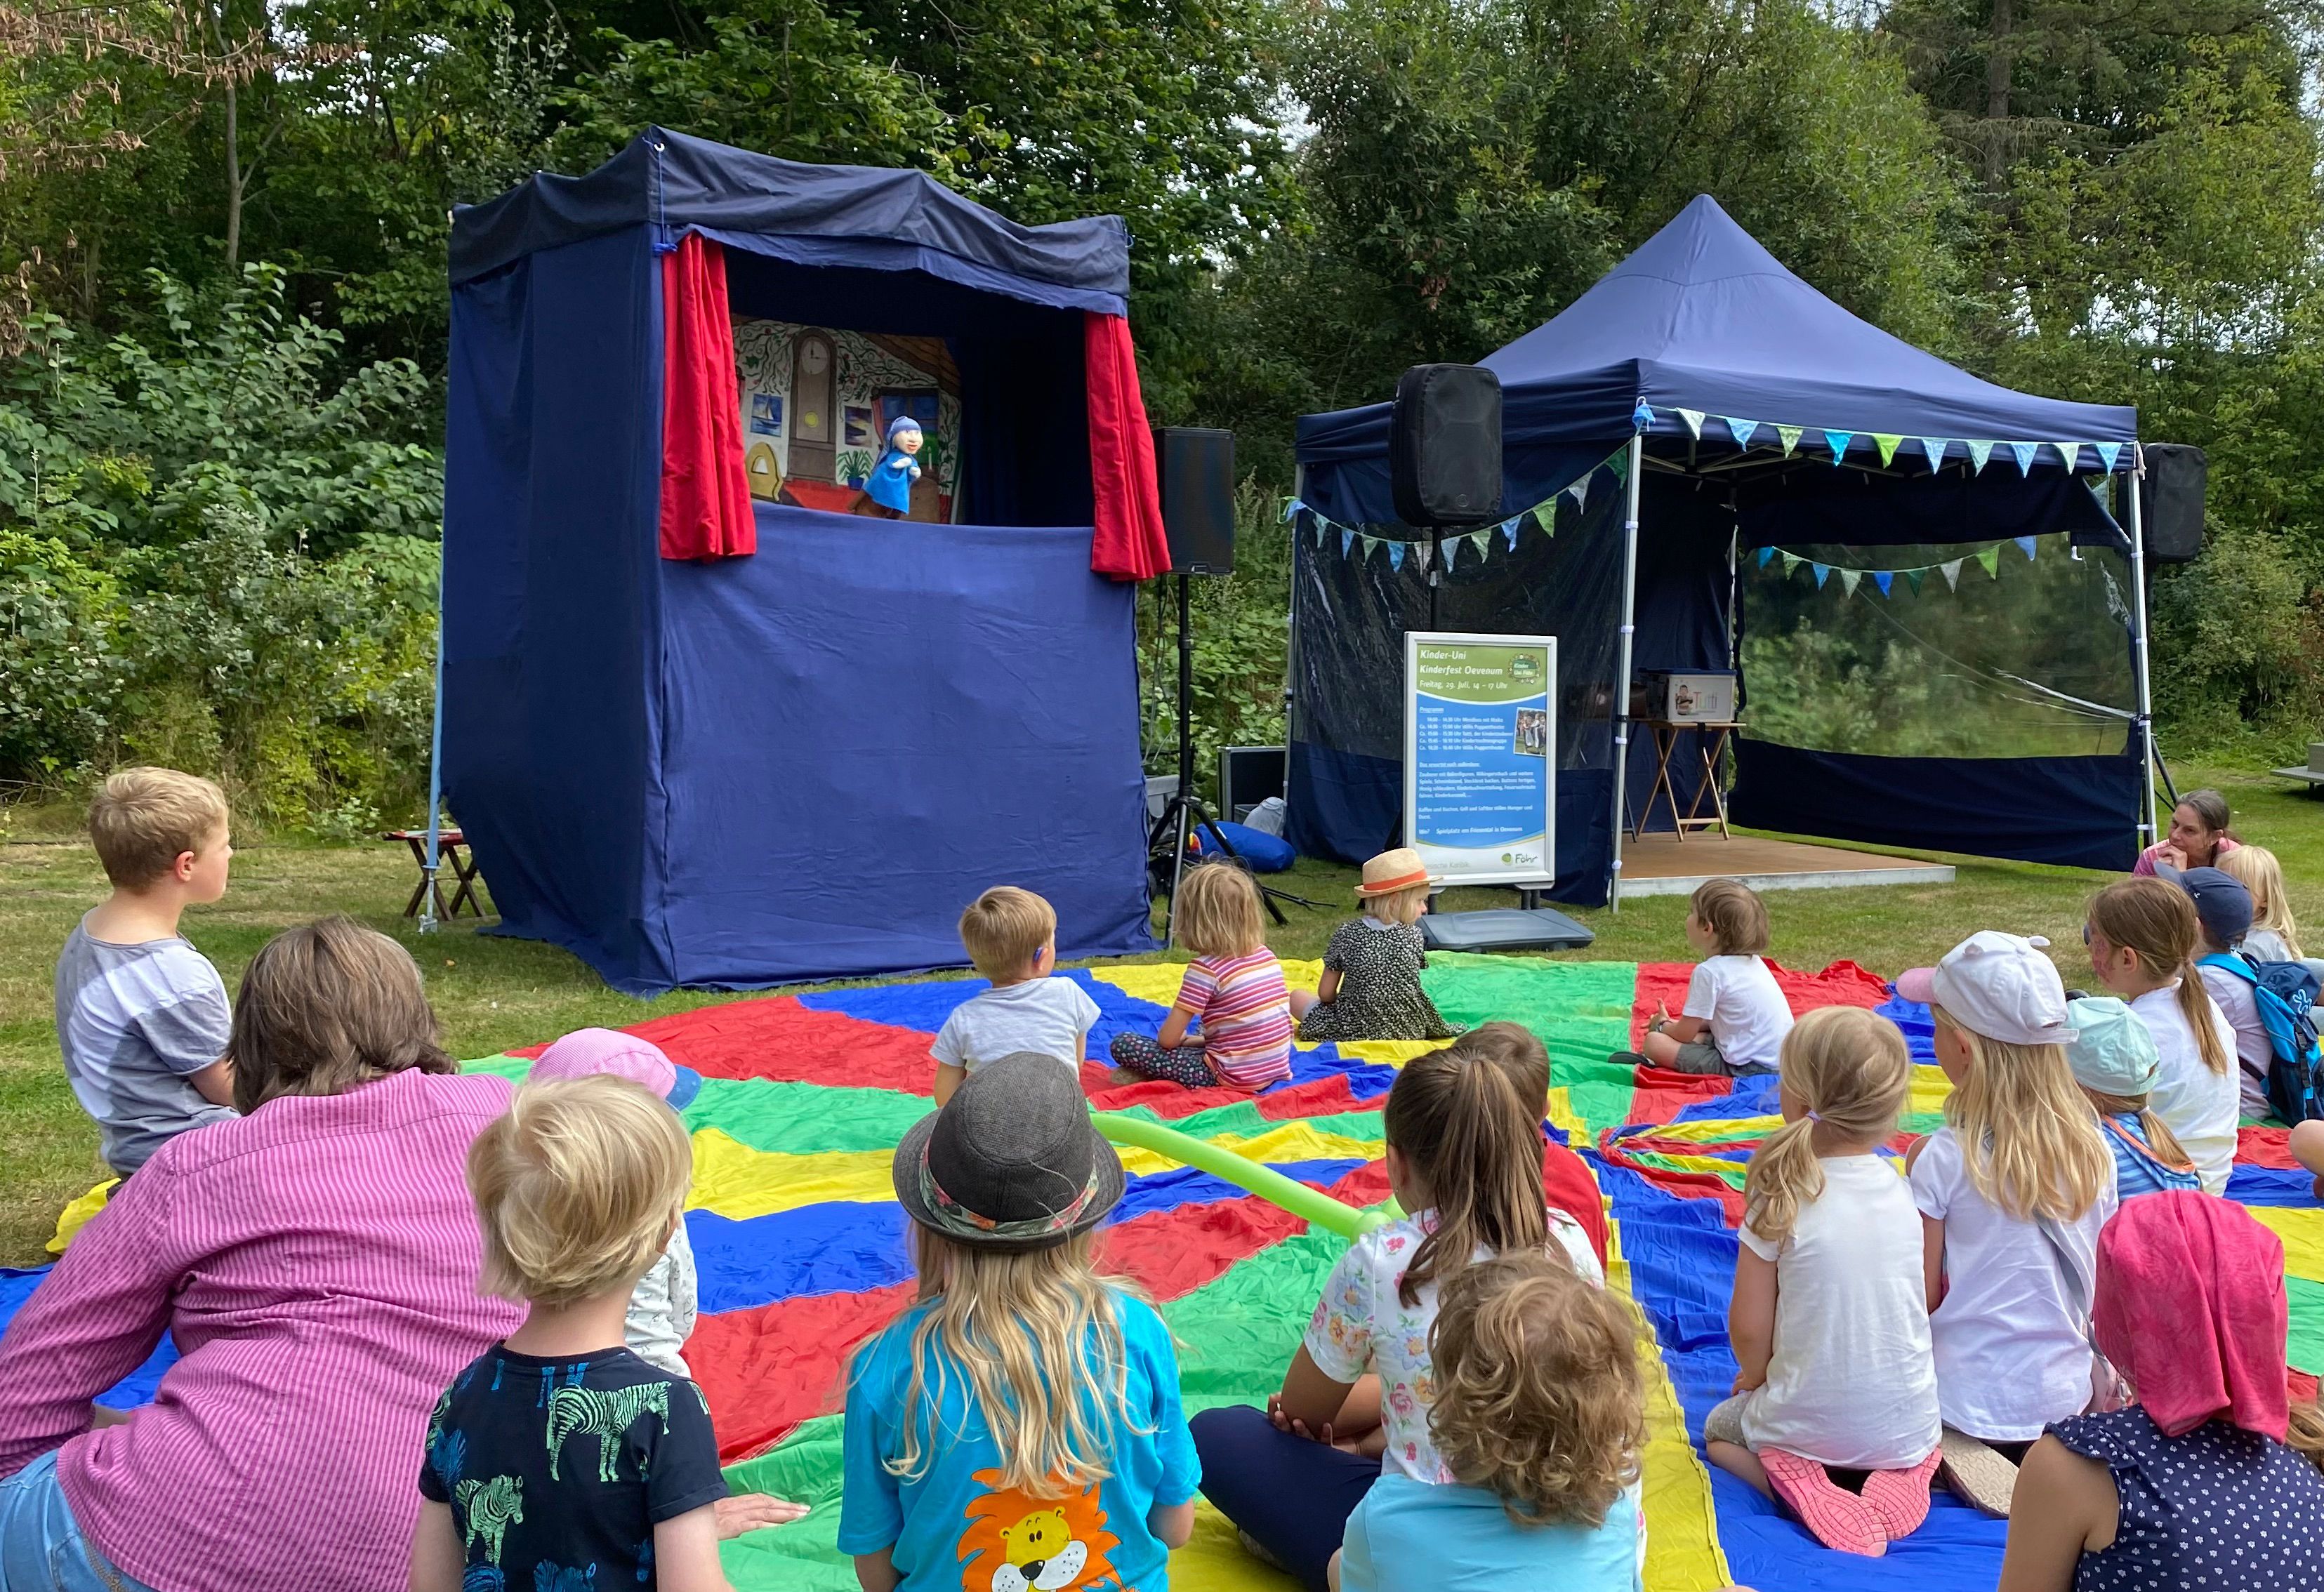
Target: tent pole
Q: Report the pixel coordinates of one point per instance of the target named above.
(2138, 644)
(1622, 670)
(435, 759)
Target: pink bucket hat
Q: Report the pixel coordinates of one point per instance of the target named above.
(586, 1052)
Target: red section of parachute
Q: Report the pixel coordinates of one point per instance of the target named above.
(778, 1038)
(1843, 983)
(2264, 1147)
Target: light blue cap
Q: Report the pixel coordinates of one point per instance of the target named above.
(2111, 1051)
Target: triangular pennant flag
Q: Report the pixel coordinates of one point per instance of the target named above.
(1742, 430)
(1765, 554)
(1791, 561)
(1822, 574)
(1546, 514)
(1978, 452)
(2072, 452)
(1420, 550)
(1887, 446)
(2108, 452)
(1509, 532)
(1346, 539)
(1641, 417)
(2025, 452)
(1933, 447)
(2025, 545)
(1791, 436)
(1396, 555)
(1884, 579)
(1951, 570)
(1480, 540)
(1620, 465)
(1913, 577)
(1847, 579)
(1838, 441)
(1693, 418)
(1452, 545)
(1990, 562)
(1580, 492)
(1291, 506)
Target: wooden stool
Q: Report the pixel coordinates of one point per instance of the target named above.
(452, 848)
(1711, 742)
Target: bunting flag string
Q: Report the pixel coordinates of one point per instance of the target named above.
(1884, 580)
(2027, 453)
(1360, 545)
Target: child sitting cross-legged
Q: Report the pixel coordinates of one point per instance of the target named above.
(1012, 937)
(2114, 1061)
(1539, 1412)
(559, 1461)
(1829, 1322)
(1370, 987)
(1019, 1425)
(1233, 989)
(1735, 1018)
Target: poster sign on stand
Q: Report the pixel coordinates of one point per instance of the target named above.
(1480, 756)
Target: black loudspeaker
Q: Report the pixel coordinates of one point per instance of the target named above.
(1196, 467)
(1444, 446)
(2170, 501)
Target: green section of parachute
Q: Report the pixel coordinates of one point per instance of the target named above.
(1583, 1015)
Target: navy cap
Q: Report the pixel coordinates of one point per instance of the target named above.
(2221, 901)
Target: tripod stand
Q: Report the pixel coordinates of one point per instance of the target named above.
(1183, 811)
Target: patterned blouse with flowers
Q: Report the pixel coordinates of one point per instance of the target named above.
(1361, 1325)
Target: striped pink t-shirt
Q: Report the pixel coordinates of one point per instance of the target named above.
(315, 1262)
(1245, 1012)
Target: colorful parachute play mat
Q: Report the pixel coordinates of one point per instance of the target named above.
(802, 1251)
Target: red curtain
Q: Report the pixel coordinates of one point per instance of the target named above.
(1130, 544)
(706, 499)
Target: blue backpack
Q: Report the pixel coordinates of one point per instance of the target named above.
(2286, 994)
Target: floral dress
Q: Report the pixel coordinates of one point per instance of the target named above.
(1380, 995)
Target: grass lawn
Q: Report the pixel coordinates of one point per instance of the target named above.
(494, 993)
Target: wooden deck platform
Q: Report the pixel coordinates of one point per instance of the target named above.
(1665, 865)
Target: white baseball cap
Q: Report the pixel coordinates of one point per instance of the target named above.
(1999, 986)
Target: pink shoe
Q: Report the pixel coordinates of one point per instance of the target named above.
(1835, 1516)
(1901, 1497)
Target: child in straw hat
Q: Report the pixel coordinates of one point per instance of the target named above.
(1371, 970)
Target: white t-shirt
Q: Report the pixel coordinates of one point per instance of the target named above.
(1748, 1015)
(1046, 1015)
(2198, 1105)
(2240, 1007)
(2266, 945)
(1853, 1382)
(1363, 1325)
(2011, 1347)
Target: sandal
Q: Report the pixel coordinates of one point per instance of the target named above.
(1833, 1515)
(1979, 1477)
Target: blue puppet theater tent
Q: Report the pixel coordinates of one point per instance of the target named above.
(801, 762)
(1938, 625)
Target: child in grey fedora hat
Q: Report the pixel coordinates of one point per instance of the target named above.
(1020, 1425)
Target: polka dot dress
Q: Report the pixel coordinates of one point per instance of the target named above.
(2218, 1508)
(1379, 996)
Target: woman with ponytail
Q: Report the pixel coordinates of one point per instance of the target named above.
(1829, 1320)
(1464, 1159)
(2144, 937)
(2213, 1478)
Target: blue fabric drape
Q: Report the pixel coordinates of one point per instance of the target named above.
(2079, 811)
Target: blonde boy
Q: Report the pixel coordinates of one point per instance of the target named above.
(559, 1459)
(1012, 937)
(142, 1015)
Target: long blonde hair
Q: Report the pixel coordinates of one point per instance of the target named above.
(1013, 1325)
(2028, 1137)
(2256, 868)
(2159, 1137)
(1853, 1072)
(1469, 1120)
(2157, 920)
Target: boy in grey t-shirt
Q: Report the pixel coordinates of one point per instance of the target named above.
(142, 1015)
(1012, 937)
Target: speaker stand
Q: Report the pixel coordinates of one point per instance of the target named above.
(1183, 813)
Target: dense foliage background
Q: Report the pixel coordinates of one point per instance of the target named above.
(223, 223)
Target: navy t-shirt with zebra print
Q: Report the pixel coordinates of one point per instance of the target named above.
(558, 1471)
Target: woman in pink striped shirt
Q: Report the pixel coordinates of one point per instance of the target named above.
(315, 1262)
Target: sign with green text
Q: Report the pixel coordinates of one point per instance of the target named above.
(1481, 755)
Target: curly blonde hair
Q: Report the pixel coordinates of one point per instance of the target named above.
(1539, 1398)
